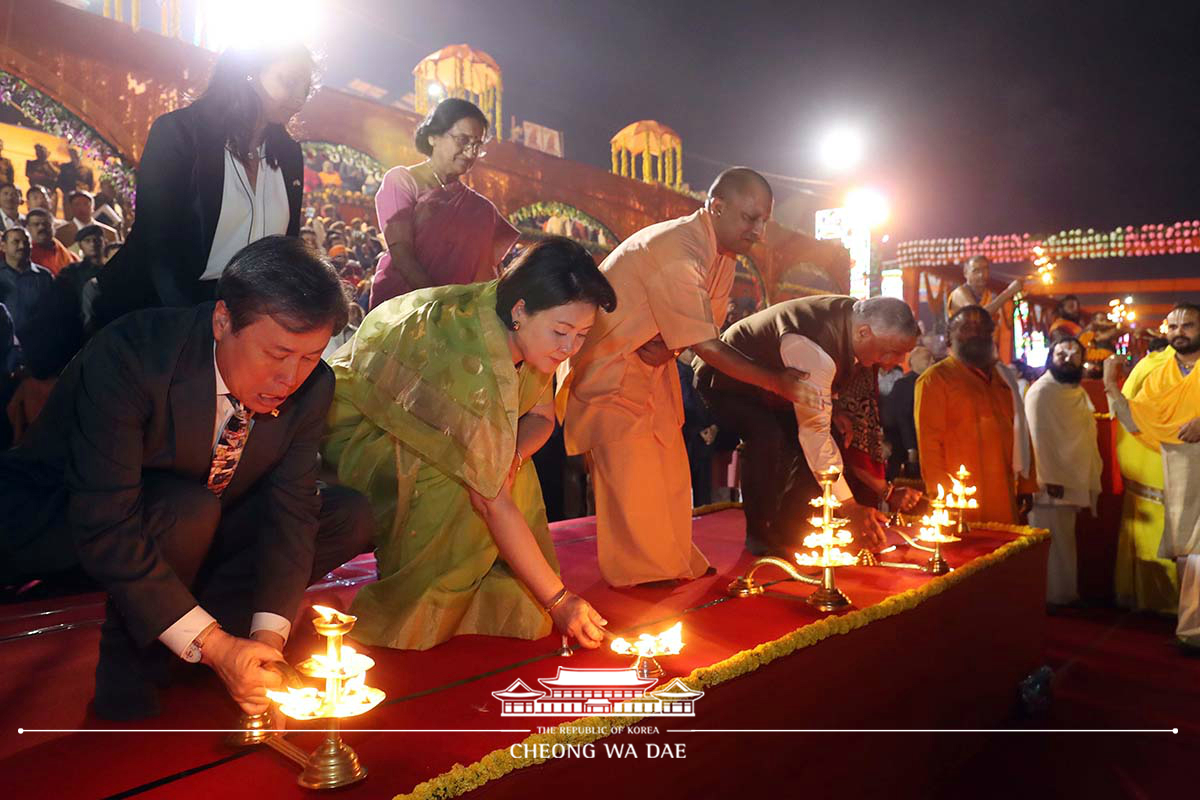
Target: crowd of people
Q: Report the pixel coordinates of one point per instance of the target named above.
(234, 425)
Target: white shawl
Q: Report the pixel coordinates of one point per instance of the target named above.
(1063, 423)
(1022, 455)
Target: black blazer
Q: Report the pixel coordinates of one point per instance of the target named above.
(180, 181)
(142, 396)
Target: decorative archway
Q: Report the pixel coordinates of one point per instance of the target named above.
(551, 218)
(52, 117)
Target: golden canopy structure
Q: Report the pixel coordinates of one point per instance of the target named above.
(460, 71)
(660, 147)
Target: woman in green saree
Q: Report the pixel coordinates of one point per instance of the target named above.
(442, 397)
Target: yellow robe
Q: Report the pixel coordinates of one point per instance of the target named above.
(1143, 580)
(1167, 401)
(627, 416)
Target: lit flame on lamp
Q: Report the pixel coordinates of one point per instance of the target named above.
(346, 694)
(932, 524)
(931, 531)
(1045, 266)
(1119, 312)
(648, 648)
(667, 643)
(825, 544)
(961, 495)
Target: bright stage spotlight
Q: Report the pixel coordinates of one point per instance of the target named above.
(436, 91)
(842, 149)
(259, 23)
(868, 205)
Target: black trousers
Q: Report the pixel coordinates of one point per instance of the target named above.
(215, 551)
(777, 484)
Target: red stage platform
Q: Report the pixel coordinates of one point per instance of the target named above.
(913, 652)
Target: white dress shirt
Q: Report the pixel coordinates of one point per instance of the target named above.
(820, 450)
(180, 635)
(247, 213)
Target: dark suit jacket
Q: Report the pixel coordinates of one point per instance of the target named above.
(180, 181)
(899, 421)
(142, 396)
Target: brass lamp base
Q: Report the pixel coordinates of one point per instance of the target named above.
(648, 667)
(744, 586)
(936, 565)
(254, 729)
(331, 765)
(867, 559)
(828, 598)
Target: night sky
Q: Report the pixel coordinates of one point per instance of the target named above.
(1023, 117)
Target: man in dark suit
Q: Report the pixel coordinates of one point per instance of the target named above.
(176, 461)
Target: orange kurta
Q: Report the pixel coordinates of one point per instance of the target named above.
(670, 281)
(966, 419)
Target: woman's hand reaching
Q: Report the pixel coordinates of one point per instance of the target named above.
(574, 616)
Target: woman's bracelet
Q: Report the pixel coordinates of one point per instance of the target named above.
(557, 599)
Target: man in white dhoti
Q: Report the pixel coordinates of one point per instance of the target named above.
(1063, 427)
(1166, 414)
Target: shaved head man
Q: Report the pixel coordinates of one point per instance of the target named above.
(740, 201)
(621, 392)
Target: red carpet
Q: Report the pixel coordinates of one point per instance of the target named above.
(1114, 673)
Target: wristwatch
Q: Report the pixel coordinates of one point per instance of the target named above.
(195, 650)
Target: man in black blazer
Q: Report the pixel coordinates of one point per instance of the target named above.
(126, 472)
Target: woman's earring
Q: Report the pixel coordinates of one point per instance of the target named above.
(516, 326)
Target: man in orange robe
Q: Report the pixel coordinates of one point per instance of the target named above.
(620, 396)
(966, 416)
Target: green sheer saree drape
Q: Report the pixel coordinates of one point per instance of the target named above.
(427, 403)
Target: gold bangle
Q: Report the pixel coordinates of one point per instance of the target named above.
(557, 599)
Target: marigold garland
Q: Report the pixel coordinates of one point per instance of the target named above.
(459, 779)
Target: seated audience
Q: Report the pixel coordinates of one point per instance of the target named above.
(81, 207)
(46, 249)
(10, 206)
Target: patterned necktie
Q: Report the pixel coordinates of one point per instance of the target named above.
(230, 445)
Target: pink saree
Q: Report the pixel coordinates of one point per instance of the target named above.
(459, 236)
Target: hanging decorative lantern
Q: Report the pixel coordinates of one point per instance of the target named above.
(463, 72)
(660, 149)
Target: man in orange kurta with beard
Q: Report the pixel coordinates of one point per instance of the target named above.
(966, 417)
(623, 405)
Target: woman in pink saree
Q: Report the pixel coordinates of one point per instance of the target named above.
(438, 230)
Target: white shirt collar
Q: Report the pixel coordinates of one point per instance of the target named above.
(222, 389)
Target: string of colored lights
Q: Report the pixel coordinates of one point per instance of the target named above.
(1156, 239)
